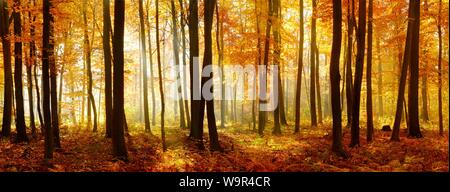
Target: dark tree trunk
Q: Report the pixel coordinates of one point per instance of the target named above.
(413, 92)
(118, 139)
(263, 74)
(207, 60)
(30, 99)
(161, 92)
(319, 95)
(380, 82)
(335, 78)
(349, 74)
(196, 125)
(176, 56)
(313, 66)
(18, 66)
(360, 35)
(299, 71)
(220, 46)
(152, 84)
(38, 99)
(369, 74)
(144, 64)
(441, 126)
(108, 70)
(277, 58)
(185, 85)
(47, 53)
(7, 68)
(87, 57)
(402, 82)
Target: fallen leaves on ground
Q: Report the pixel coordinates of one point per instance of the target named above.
(244, 150)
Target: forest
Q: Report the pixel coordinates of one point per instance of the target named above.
(224, 86)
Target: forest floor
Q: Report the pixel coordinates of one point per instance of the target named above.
(244, 150)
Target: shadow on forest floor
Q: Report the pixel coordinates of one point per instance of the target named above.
(244, 150)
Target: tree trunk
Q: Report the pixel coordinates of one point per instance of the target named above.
(176, 55)
(152, 84)
(47, 53)
(402, 82)
(361, 34)
(207, 60)
(161, 92)
(87, 57)
(380, 82)
(144, 64)
(319, 95)
(299, 71)
(108, 70)
(30, 99)
(18, 66)
(263, 74)
(424, 92)
(335, 79)
(185, 85)
(276, 60)
(413, 92)
(349, 73)
(441, 126)
(118, 139)
(196, 125)
(313, 66)
(38, 98)
(219, 41)
(7, 74)
(369, 75)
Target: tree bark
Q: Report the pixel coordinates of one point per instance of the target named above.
(144, 64)
(413, 92)
(369, 75)
(161, 92)
(18, 66)
(402, 82)
(118, 139)
(335, 79)
(108, 69)
(319, 95)
(441, 125)
(299, 71)
(349, 74)
(47, 53)
(361, 34)
(185, 84)
(312, 59)
(263, 74)
(87, 57)
(7, 68)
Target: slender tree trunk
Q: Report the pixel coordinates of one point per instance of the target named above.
(161, 92)
(413, 99)
(219, 42)
(7, 74)
(144, 64)
(118, 139)
(87, 57)
(349, 73)
(402, 82)
(441, 126)
(30, 99)
(207, 60)
(299, 71)
(38, 98)
(277, 58)
(177, 63)
(380, 82)
(263, 74)
(18, 66)
(185, 84)
(369, 74)
(361, 34)
(313, 66)
(152, 84)
(196, 124)
(335, 79)
(319, 95)
(108, 69)
(47, 53)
